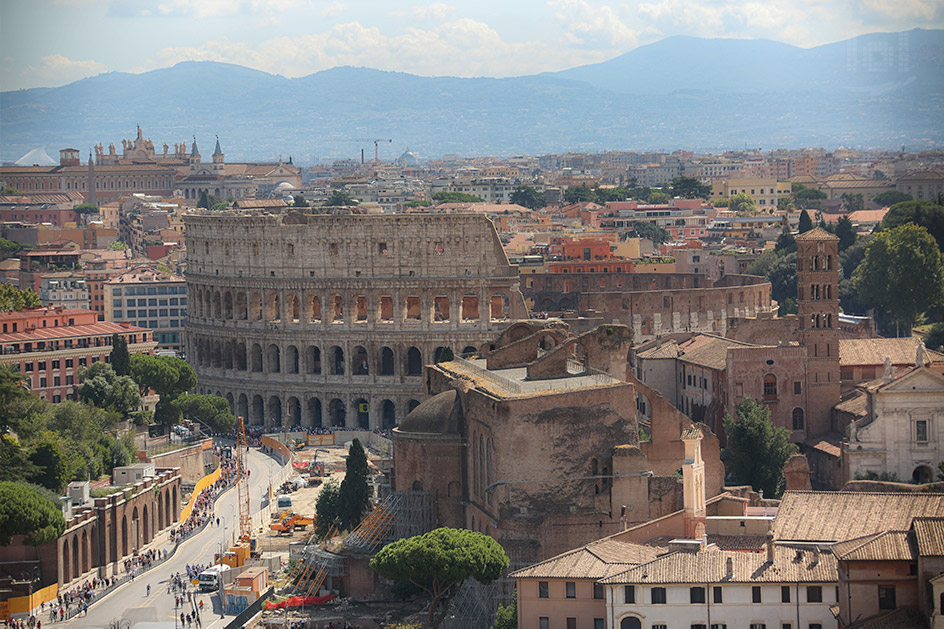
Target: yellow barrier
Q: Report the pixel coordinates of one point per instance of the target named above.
(276, 445)
(202, 484)
(321, 440)
(24, 604)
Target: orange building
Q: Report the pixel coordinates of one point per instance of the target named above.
(51, 344)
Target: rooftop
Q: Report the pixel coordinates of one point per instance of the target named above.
(513, 381)
(603, 558)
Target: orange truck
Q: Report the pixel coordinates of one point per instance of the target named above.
(291, 523)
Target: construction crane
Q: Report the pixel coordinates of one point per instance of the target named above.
(376, 142)
(242, 485)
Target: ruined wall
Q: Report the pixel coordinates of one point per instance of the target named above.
(321, 320)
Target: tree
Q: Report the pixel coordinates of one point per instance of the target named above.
(806, 223)
(779, 267)
(211, 410)
(417, 203)
(785, 204)
(10, 191)
(742, 204)
(117, 245)
(86, 209)
(528, 196)
(878, 174)
(51, 461)
(204, 201)
(354, 493)
(14, 392)
(444, 355)
(9, 247)
(651, 231)
(690, 188)
(455, 197)
(327, 508)
(24, 511)
(578, 194)
(809, 198)
(507, 615)
(299, 201)
(890, 198)
(903, 274)
(340, 198)
(756, 449)
(658, 198)
(924, 213)
(14, 299)
(120, 358)
(439, 561)
(846, 233)
(785, 241)
(934, 339)
(853, 201)
(169, 377)
(14, 462)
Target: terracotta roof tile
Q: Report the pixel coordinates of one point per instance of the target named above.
(885, 546)
(929, 535)
(710, 566)
(712, 354)
(817, 233)
(594, 561)
(902, 618)
(102, 328)
(873, 351)
(833, 516)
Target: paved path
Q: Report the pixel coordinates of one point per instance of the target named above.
(131, 602)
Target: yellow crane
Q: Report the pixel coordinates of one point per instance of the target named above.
(242, 485)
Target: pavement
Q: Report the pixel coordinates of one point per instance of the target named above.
(138, 609)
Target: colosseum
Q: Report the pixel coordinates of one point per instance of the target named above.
(327, 320)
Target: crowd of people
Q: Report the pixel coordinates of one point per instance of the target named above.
(143, 561)
(202, 511)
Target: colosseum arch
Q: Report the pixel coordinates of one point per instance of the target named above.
(228, 355)
(217, 355)
(217, 308)
(388, 415)
(160, 512)
(256, 307)
(227, 305)
(385, 309)
(291, 359)
(314, 309)
(470, 307)
(313, 364)
(85, 552)
(275, 411)
(360, 308)
(385, 366)
(315, 418)
(292, 303)
(336, 361)
(135, 530)
(362, 408)
(359, 362)
(414, 362)
(469, 351)
(411, 405)
(441, 309)
(294, 412)
(337, 412)
(242, 312)
(256, 362)
(337, 309)
(273, 359)
(273, 307)
(242, 406)
(258, 411)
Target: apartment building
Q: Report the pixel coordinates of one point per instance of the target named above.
(150, 299)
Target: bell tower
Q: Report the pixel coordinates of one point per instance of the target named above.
(818, 312)
(218, 161)
(194, 159)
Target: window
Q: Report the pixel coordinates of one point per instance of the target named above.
(699, 626)
(598, 623)
(755, 595)
(598, 590)
(696, 595)
(921, 430)
(719, 625)
(68, 363)
(770, 387)
(814, 594)
(798, 418)
(716, 594)
(42, 365)
(544, 622)
(571, 623)
(758, 625)
(658, 596)
(27, 367)
(570, 587)
(797, 388)
(542, 589)
(784, 594)
(886, 597)
(815, 625)
(660, 626)
(55, 364)
(629, 594)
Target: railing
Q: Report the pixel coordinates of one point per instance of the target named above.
(485, 374)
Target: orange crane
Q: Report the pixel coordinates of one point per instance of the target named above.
(242, 485)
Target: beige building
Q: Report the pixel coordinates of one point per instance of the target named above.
(922, 186)
(327, 320)
(765, 191)
(149, 299)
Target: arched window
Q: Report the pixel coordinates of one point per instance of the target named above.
(798, 419)
(770, 387)
(414, 362)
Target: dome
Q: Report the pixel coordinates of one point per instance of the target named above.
(440, 414)
(285, 186)
(36, 157)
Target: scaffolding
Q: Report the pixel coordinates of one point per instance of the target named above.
(314, 569)
(401, 514)
(473, 607)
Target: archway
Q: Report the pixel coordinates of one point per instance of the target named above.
(291, 359)
(359, 364)
(124, 536)
(630, 622)
(273, 359)
(386, 362)
(85, 553)
(314, 360)
(414, 362)
(258, 410)
(337, 412)
(363, 413)
(337, 361)
(275, 411)
(160, 512)
(922, 475)
(468, 351)
(411, 405)
(256, 362)
(314, 412)
(135, 531)
(147, 525)
(75, 557)
(66, 567)
(294, 412)
(242, 406)
(389, 415)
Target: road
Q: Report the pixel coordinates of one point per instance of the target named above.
(132, 603)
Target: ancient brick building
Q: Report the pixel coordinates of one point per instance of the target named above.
(318, 320)
(653, 304)
(537, 444)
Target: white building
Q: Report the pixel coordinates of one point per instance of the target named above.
(902, 429)
(784, 588)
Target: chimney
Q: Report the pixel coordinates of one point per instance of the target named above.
(729, 567)
(770, 548)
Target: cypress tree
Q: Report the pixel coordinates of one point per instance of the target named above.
(120, 359)
(354, 492)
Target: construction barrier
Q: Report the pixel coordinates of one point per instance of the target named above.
(277, 446)
(25, 604)
(299, 601)
(202, 484)
(321, 440)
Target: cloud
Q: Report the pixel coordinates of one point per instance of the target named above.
(333, 10)
(435, 11)
(57, 69)
(462, 47)
(593, 25)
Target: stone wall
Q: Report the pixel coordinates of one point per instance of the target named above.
(319, 320)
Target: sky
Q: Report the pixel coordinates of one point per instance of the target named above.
(48, 43)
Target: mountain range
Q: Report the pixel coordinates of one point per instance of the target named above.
(881, 90)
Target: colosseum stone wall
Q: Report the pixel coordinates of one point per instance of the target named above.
(327, 320)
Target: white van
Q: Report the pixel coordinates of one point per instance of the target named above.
(209, 580)
(284, 502)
